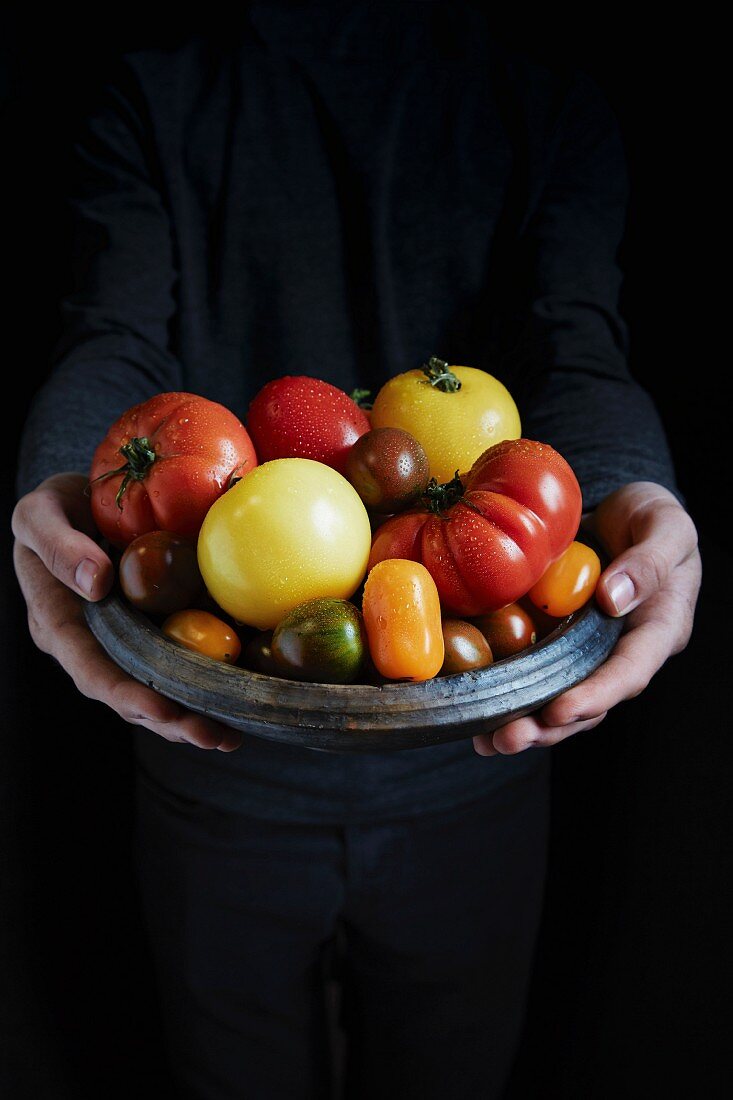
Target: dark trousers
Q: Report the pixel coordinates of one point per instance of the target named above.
(434, 920)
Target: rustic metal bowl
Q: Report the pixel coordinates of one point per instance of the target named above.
(356, 717)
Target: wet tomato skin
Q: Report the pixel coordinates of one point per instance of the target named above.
(401, 611)
(162, 465)
(508, 630)
(159, 573)
(203, 633)
(302, 417)
(388, 468)
(465, 648)
(322, 641)
(569, 582)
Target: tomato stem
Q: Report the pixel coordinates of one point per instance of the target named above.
(140, 456)
(361, 398)
(439, 498)
(440, 376)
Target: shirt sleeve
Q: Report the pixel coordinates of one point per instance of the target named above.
(114, 351)
(568, 346)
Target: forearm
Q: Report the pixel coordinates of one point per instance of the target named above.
(607, 428)
(90, 387)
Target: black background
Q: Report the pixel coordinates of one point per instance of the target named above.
(631, 991)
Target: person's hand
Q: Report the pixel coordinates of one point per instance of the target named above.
(653, 580)
(58, 563)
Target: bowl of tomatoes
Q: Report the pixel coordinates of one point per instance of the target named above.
(345, 579)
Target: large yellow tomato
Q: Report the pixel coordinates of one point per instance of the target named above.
(291, 530)
(454, 412)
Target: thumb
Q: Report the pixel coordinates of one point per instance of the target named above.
(663, 536)
(41, 521)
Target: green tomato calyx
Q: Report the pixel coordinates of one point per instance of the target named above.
(439, 498)
(439, 375)
(139, 456)
(361, 398)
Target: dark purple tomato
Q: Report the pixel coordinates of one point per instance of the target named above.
(159, 573)
(465, 648)
(388, 468)
(257, 654)
(508, 630)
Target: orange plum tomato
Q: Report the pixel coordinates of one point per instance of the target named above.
(401, 612)
(568, 583)
(204, 634)
(293, 530)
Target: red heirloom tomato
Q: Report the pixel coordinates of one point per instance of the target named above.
(163, 464)
(487, 539)
(299, 417)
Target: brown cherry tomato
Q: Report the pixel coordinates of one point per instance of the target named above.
(465, 647)
(402, 618)
(508, 631)
(388, 468)
(204, 634)
(257, 654)
(159, 573)
(569, 582)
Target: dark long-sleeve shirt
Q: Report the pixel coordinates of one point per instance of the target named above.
(342, 190)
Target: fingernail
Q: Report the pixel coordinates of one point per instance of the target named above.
(229, 746)
(86, 571)
(621, 591)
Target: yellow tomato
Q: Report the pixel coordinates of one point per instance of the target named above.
(291, 530)
(454, 424)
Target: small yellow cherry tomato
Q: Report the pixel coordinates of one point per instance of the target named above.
(568, 583)
(456, 413)
(204, 634)
(401, 611)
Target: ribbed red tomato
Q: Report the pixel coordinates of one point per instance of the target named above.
(163, 464)
(300, 417)
(487, 539)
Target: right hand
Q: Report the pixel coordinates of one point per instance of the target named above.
(58, 564)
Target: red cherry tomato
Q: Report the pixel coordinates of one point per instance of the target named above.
(299, 417)
(204, 634)
(163, 464)
(508, 630)
(487, 538)
(568, 583)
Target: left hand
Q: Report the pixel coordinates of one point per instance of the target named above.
(654, 580)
